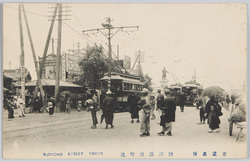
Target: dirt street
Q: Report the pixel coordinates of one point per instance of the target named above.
(70, 136)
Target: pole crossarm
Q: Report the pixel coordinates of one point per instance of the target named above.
(97, 29)
(123, 27)
(109, 28)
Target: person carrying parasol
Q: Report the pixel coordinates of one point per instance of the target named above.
(213, 110)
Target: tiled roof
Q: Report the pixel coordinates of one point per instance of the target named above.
(14, 74)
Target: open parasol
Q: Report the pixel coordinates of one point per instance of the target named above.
(212, 91)
(65, 93)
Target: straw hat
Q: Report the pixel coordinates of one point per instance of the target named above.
(145, 90)
(108, 92)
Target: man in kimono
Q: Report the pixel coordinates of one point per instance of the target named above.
(159, 101)
(20, 105)
(182, 101)
(144, 103)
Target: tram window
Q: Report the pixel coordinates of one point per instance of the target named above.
(126, 86)
(116, 87)
(135, 87)
(194, 90)
(138, 87)
(130, 86)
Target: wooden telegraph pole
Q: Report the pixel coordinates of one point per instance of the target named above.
(34, 57)
(22, 54)
(59, 34)
(45, 52)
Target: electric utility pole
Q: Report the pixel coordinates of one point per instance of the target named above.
(34, 56)
(58, 55)
(108, 27)
(44, 55)
(139, 55)
(59, 35)
(22, 54)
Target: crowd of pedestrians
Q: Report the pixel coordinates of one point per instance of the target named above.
(142, 103)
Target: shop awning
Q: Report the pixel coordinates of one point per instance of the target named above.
(49, 82)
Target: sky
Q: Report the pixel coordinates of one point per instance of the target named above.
(210, 39)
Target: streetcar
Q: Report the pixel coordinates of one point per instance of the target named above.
(191, 90)
(176, 89)
(121, 86)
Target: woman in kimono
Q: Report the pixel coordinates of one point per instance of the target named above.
(168, 114)
(92, 108)
(11, 106)
(213, 110)
(109, 105)
(133, 109)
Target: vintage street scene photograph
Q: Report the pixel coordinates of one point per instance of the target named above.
(124, 81)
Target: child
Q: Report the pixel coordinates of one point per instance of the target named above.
(202, 115)
(79, 105)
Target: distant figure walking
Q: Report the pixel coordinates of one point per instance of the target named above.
(37, 104)
(62, 103)
(198, 102)
(152, 105)
(213, 110)
(228, 100)
(168, 114)
(109, 105)
(91, 104)
(20, 105)
(51, 105)
(79, 105)
(144, 103)
(133, 98)
(68, 105)
(159, 101)
(10, 106)
(182, 101)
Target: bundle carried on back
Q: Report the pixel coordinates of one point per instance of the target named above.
(239, 113)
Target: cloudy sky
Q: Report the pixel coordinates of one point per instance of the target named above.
(207, 38)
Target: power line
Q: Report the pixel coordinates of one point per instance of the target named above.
(108, 27)
(28, 12)
(78, 33)
(77, 20)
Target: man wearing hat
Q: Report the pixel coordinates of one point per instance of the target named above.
(159, 101)
(144, 103)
